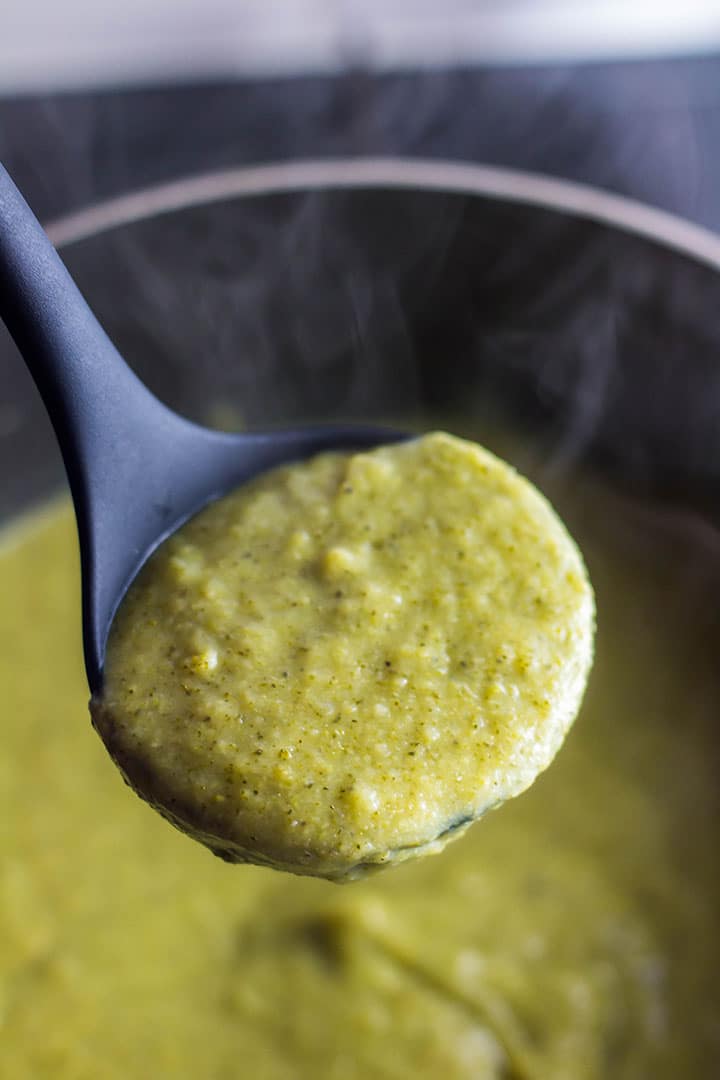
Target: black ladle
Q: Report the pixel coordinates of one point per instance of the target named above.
(137, 470)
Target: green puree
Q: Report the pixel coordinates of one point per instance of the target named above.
(572, 936)
(340, 665)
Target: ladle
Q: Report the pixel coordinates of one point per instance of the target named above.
(137, 470)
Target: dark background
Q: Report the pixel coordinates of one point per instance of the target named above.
(650, 129)
(647, 129)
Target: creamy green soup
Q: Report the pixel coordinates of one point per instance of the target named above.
(343, 663)
(573, 935)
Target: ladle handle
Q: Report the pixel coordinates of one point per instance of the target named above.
(78, 371)
(113, 433)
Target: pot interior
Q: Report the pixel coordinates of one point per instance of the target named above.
(404, 305)
(573, 933)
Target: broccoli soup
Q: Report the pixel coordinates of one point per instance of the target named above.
(572, 935)
(345, 662)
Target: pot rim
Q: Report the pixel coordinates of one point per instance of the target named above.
(398, 173)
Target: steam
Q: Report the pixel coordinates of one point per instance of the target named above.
(628, 127)
(327, 306)
(408, 305)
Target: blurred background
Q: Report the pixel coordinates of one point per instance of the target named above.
(98, 99)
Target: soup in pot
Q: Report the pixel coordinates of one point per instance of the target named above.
(572, 936)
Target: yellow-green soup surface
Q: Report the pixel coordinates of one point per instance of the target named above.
(571, 936)
(344, 662)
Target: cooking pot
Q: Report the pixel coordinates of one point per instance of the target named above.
(407, 292)
(402, 289)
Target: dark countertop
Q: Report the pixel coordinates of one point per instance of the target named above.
(649, 129)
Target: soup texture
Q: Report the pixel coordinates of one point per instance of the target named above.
(571, 936)
(343, 663)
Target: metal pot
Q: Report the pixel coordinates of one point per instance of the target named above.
(406, 290)
(413, 293)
